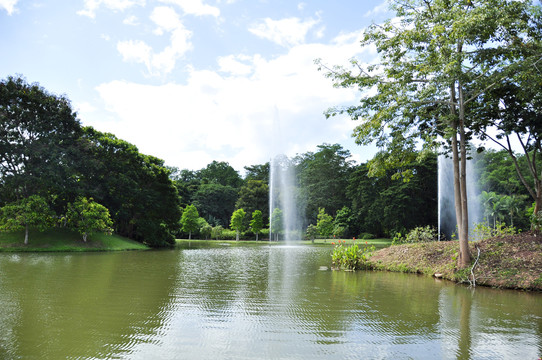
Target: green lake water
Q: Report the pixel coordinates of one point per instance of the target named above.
(250, 302)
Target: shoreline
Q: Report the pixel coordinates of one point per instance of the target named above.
(507, 262)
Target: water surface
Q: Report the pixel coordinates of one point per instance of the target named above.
(250, 302)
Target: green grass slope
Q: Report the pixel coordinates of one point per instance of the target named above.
(65, 240)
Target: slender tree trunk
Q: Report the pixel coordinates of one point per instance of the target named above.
(190, 235)
(237, 235)
(26, 234)
(464, 253)
(256, 236)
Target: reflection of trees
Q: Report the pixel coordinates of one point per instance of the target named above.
(82, 305)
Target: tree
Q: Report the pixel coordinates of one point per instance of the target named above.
(258, 172)
(312, 232)
(136, 188)
(215, 201)
(37, 133)
(88, 217)
(323, 178)
(189, 220)
(325, 223)
(237, 222)
(436, 59)
(32, 211)
(220, 172)
(254, 195)
(256, 224)
(276, 224)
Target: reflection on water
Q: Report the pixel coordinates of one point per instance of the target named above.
(246, 302)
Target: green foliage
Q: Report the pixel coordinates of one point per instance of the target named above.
(366, 236)
(190, 220)
(324, 223)
(38, 131)
(237, 222)
(417, 235)
(88, 217)
(481, 231)
(32, 211)
(216, 232)
(276, 223)
(536, 221)
(256, 224)
(254, 195)
(312, 232)
(323, 179)
(220, 172)
(204, 228)
(216, 201)
(351, 257)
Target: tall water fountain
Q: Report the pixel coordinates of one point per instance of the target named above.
(446, 203)
(282, 189)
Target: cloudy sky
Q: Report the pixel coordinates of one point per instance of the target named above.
(192, 81)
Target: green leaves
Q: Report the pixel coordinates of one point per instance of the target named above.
(30, 212)
(88, 217)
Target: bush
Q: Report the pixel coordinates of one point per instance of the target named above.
(419, 234)
(481, 231)
(536, 221)
(366, 236)
(351, 257)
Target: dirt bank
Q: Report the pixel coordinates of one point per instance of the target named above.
(513, 261)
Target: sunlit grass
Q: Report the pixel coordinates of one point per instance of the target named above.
(59, 240)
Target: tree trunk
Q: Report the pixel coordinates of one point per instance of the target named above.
(237, 235)
(464, 253)
(190, 235)
(256, 236)
(85, 237)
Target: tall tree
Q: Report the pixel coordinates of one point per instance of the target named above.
(189, 220)
(216, 203)
(37, 132)
(436, 58)
(220, 172)
(324, 179)
(254, 195)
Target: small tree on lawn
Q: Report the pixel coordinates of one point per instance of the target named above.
(276, 223)
(324, 223)
(32, 211)
(189, 220)
(204, 228)
(256, 224)
(236, 222)
(88, 217)
(312, 232)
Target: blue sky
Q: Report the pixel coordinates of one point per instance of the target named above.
(192, 81)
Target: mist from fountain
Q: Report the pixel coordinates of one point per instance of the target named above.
(446, 208)
(282, 189)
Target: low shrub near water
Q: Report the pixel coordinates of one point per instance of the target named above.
(351, 257)
(417, 235)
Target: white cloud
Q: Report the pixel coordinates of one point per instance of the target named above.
(91, 6)
(379, 9)
(236, 64)
(194, 7)
(285, 32)
(217, 116)
(131, 20)
(167, 20)
(9, 6)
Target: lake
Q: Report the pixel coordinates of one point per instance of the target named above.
(225, 301)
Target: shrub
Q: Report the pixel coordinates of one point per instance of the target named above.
(481, 231)
(351, 257)
(536, 221)
(419, 234)
(366, 236)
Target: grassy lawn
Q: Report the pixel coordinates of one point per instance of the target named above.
(65, 240)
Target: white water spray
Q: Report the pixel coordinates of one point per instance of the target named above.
(446, 208)
(282, 189)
